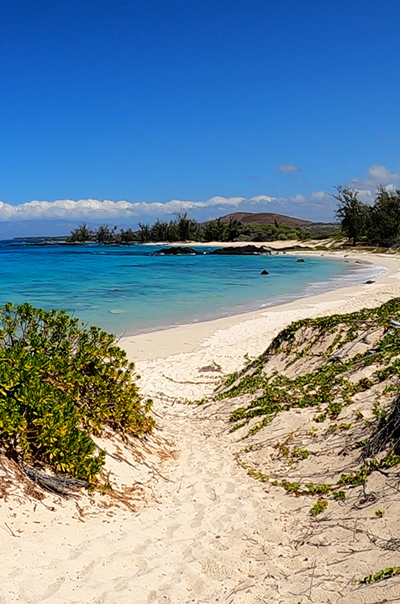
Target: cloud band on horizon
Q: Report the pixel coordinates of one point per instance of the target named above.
(97, 210)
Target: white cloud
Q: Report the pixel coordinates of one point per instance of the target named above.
(319, 205)
(93, 209)
(319, 195)
(262, 198)
(376, 176)
(366, 195)
(298, 198)
(290, 168)
(221, 201)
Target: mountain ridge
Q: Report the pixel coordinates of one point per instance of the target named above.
(264, 218)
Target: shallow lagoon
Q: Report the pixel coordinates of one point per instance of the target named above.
(124, 289)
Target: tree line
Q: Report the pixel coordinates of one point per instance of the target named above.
(376, 224)
(183, 228)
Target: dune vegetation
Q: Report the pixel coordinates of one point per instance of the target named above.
(342, 373)
(60, 384)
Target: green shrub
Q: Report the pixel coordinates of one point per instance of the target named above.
(60, 383)
(318, 488)
(319, 507)
(334, 409)
(339, 495)
(381, 575)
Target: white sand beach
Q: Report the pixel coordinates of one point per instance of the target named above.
(203, 531)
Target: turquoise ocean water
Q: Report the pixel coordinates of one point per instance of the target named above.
(126, 290)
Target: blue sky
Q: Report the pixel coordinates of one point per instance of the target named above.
(124, 111)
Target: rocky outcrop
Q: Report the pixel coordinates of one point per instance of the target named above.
(243, 250)
(176, 251)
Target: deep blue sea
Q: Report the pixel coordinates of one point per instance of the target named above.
(125, 290)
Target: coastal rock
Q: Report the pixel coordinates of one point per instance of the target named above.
(300, 260)
(176, 251)
(264, 272)
(243, 250)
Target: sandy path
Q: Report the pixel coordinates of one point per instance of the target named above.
(214, 535)
(211, 536)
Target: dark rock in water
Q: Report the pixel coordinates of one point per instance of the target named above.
(300, 260)
(369, 282)
(264, 272)
(176, 251)
(243, 250)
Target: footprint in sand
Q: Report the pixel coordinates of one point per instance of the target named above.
(52, 589)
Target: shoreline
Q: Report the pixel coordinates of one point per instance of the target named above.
(191, 337)
(321, 287)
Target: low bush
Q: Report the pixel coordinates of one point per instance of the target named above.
(61, 383)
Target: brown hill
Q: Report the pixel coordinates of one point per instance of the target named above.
(264, 218)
